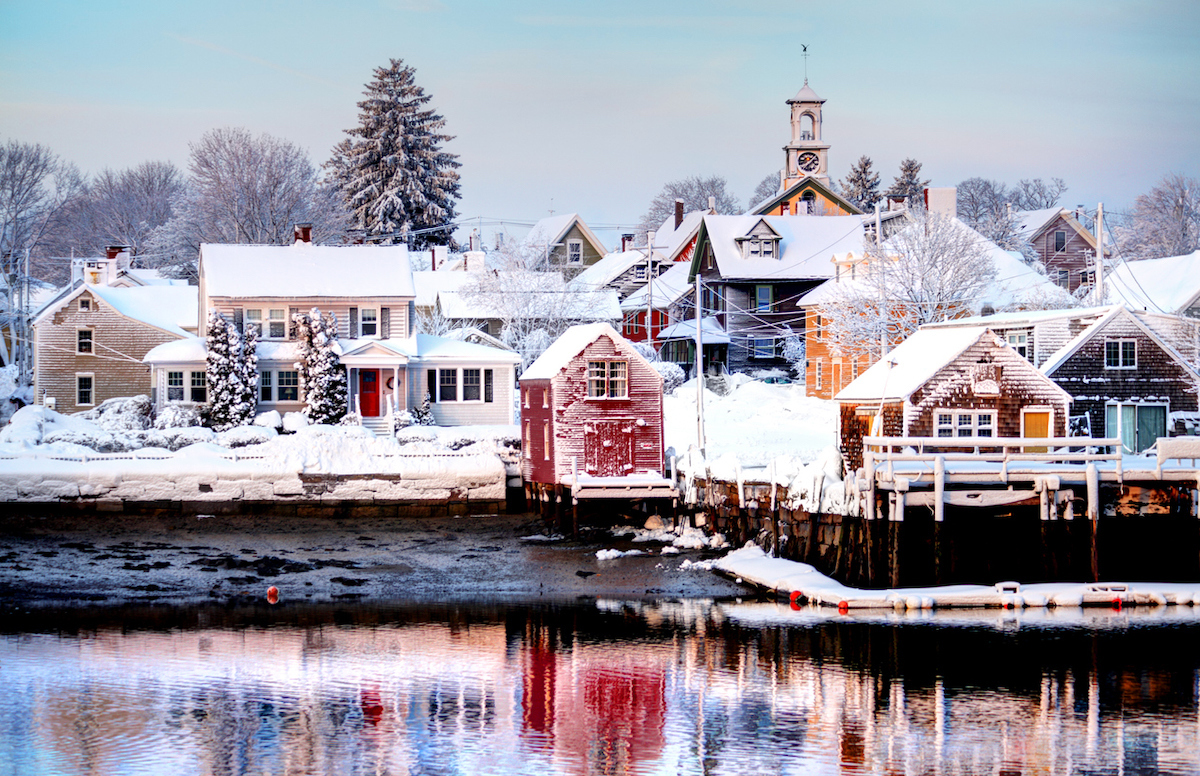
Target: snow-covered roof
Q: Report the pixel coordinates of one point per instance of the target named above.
(478, 336)
(169, 308)
(711, 332)
(1060, 356)
(608, 269)
(1169, 285)
(911, 364)
(427, 284)
(669, 288)
(304, 269)
(567, 346)
(808, 245)
(552, 229)
(430, 348)
(1028, 317)
(669, 241)
(189, 350)
(1030, 222)
(583, 306)
(154, 277)
(420, 347)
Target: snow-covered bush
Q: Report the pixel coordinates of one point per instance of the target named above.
(178, 416)
(178, 438)
(646, 351)
(97, 439)
(423, 414)
(271, 419)
(294, 421)
(403, 419)
(671, 373)
(133, 413)
(26, 426)
(243, 436)
(350, 419)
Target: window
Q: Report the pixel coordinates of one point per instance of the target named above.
(472, 384)
(574, 251)
(85, 305)
(368, 322)
(965, 423)
(608, 380)
(199, 387)
(545, 440)
(762, 299)
(1019, 341)
(712, 300)
(762, 347)
(1120, 354)
(639, 272)
(447, 385)
(817, 328)
(83, 341)
(277, 325)
(174, 386)
(83, 389)
(527, 391)
(1137, 425)
(289, 386)
(252, 317)
(1064, 278)
(546, 397)
(488, 392)
(818, 372)
(264, 387)
(1060, 241)
(768, 249)
(527, 442)
(854, 369)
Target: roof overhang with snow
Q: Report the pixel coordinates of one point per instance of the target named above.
(305, 270)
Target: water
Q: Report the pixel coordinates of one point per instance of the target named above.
(597, 687)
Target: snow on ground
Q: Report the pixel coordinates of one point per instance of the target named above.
(757, 422)
(751, 564)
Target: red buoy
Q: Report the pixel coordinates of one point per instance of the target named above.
(794, 600)
(1116, 604)
(843, 607)
(272, 595)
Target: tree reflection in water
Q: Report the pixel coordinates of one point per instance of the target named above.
(596, 687)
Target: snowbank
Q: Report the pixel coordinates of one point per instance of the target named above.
(752, 565)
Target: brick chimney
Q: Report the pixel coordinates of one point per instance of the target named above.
(678, 213)
(302, 233)
(626, 242)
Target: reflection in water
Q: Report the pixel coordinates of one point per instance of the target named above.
(597, 688)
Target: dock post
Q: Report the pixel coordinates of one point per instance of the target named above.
(869, 468)
(774, 515)
(1093, 492)
(939, 488)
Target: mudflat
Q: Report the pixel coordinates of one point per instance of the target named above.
(101, 558)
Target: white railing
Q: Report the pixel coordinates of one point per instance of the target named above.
(994, 449)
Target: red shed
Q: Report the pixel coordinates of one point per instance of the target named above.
(590, 397)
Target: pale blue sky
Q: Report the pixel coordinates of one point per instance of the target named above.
(591, 107)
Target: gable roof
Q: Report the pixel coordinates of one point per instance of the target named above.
(807, 182)
(669, 288)
(671, 241)
(428, 283)
(168, 308)
(911, 364)
(711, 331)
(1022, 318)
(570, 344)
(304, 269)
(552, 229)
(577, 305)
(607, 270)
(807, 245)
(1170, 284)
(1032, 223)
(1063, 354)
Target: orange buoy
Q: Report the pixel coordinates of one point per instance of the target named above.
(843, 607)
(272, 595)
(794, 600)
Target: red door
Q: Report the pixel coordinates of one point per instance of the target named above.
(608, 448)
(368, 393)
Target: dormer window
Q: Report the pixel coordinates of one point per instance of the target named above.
(761, 242)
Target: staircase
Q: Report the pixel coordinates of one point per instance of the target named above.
(382, 426)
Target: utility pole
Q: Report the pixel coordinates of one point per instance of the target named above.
(699, 368)
(1100, 253)
(650, 288)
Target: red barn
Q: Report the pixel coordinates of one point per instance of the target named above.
(590, 399)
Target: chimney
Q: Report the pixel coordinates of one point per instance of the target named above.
(473, 261)
(302, 233)
(678, 213)
(626, 242)
(712, 205)
(113, 251)
(942, 200)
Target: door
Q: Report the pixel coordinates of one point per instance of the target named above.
(1036, 425)
(1138, 425)
(608, 447)
(368, 393)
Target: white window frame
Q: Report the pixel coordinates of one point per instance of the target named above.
(85, 305)
(91, 389)
(462, 381)
(818, 374)
(180, 386)
(266, 386)
(1023, 337)
(363, 322)
(574, 252)
(1121, 408)
(762, 347)
(528, 440)
(972, 423)
(279, 386)
(759, 307)
(606, 376)
(1058, 232)
(91, 340)
(272, 320)
(254, 315)
(639, 272)
(1120, 343)
(545, 440)
(191, 386)
(441, 384)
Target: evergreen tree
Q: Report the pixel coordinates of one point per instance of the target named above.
(392, 171)
(249, 369)
(230, 391)
(423, 414)
(862, 185)
(908, 183)
(321, 371)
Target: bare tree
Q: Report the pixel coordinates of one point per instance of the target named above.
(933, 269)
(1036, 194)
(979, 199)
(766, 188)
(694, 192)
(1165, 221)
(245, 189)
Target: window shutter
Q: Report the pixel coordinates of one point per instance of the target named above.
(385, 322)
(292, 330)
(431, 383)
(487, 385)
(238, 321)
(353, 323)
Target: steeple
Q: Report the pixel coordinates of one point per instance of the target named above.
(806, 154)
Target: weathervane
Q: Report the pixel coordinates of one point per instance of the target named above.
(804, 53)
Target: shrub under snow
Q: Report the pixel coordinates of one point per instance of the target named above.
(245, 435)
(672, 374)
(178, 416)
(132, 413)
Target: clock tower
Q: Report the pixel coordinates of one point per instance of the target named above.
(806, 154)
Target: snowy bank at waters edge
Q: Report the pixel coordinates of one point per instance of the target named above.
(751, 564)
(42, 459)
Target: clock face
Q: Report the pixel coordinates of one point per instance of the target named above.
(808, 161)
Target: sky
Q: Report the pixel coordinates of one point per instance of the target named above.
(592, 107)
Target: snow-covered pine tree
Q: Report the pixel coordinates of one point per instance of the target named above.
(391, 170)
(320, 368)
(423, 414)
(861, 185)
(908, 183)
(230, 395)
(249, 369)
